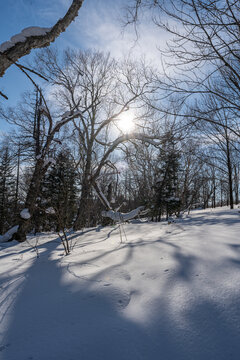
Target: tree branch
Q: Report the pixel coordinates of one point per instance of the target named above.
(35, 37)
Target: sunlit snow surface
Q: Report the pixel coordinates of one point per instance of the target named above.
(165, 292)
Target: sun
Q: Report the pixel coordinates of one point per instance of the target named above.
(125, 122)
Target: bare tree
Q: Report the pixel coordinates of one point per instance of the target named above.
(107, 89)
(48, 135)
(203, 52)
(221, 146)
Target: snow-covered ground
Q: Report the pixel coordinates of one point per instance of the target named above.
(165, 292)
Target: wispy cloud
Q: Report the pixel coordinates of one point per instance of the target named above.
(99, 26)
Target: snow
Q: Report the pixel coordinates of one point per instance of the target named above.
(71, 114)
(50, 211)
(35, 31)
(8, 235)
(168, 292)
(25, 214)
(43, 109)
(49, 161)
(118, 216)
(17, 38)
(172, 198)
(25, 33)
(5, 46)
(66, 114)
(103, 198)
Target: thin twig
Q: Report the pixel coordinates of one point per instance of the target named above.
(3, 95)
(32, 71)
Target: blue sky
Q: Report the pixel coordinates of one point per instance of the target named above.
(98, 26)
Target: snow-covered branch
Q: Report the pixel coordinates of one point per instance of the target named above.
(101, 196)
(34, 37)
(66, 117)
(8, 235)
(118, 216)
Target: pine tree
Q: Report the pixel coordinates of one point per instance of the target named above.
(166, 200)
(59, 191)
(7, 190)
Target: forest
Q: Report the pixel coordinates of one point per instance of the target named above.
(98, 134)
(119, 180)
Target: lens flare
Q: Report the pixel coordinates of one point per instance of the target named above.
(126, 122)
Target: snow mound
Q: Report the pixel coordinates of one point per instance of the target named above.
(25, 214)
(8, 235)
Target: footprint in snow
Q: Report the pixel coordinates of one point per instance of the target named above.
(123, 302)
(118, 297)
(119, 273)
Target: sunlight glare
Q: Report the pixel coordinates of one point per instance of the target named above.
(125, 122)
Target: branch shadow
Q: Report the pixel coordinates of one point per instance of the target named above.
(218, 217)
(54, 318)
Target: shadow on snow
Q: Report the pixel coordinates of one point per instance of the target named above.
(55, 320)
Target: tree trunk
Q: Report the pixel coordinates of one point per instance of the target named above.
(82, 214)
(221, 193)
(236, 184)
(83, 209)
(214, 193)
(230, 181)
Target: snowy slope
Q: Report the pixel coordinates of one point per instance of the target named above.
(166, 292)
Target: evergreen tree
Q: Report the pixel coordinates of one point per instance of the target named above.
(59, 191)
(166, 200)
(7, 190)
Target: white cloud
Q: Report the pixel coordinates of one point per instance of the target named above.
(98, 26)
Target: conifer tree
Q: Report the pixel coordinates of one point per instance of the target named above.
(59, 191)
(166, 185)
(7, 189)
